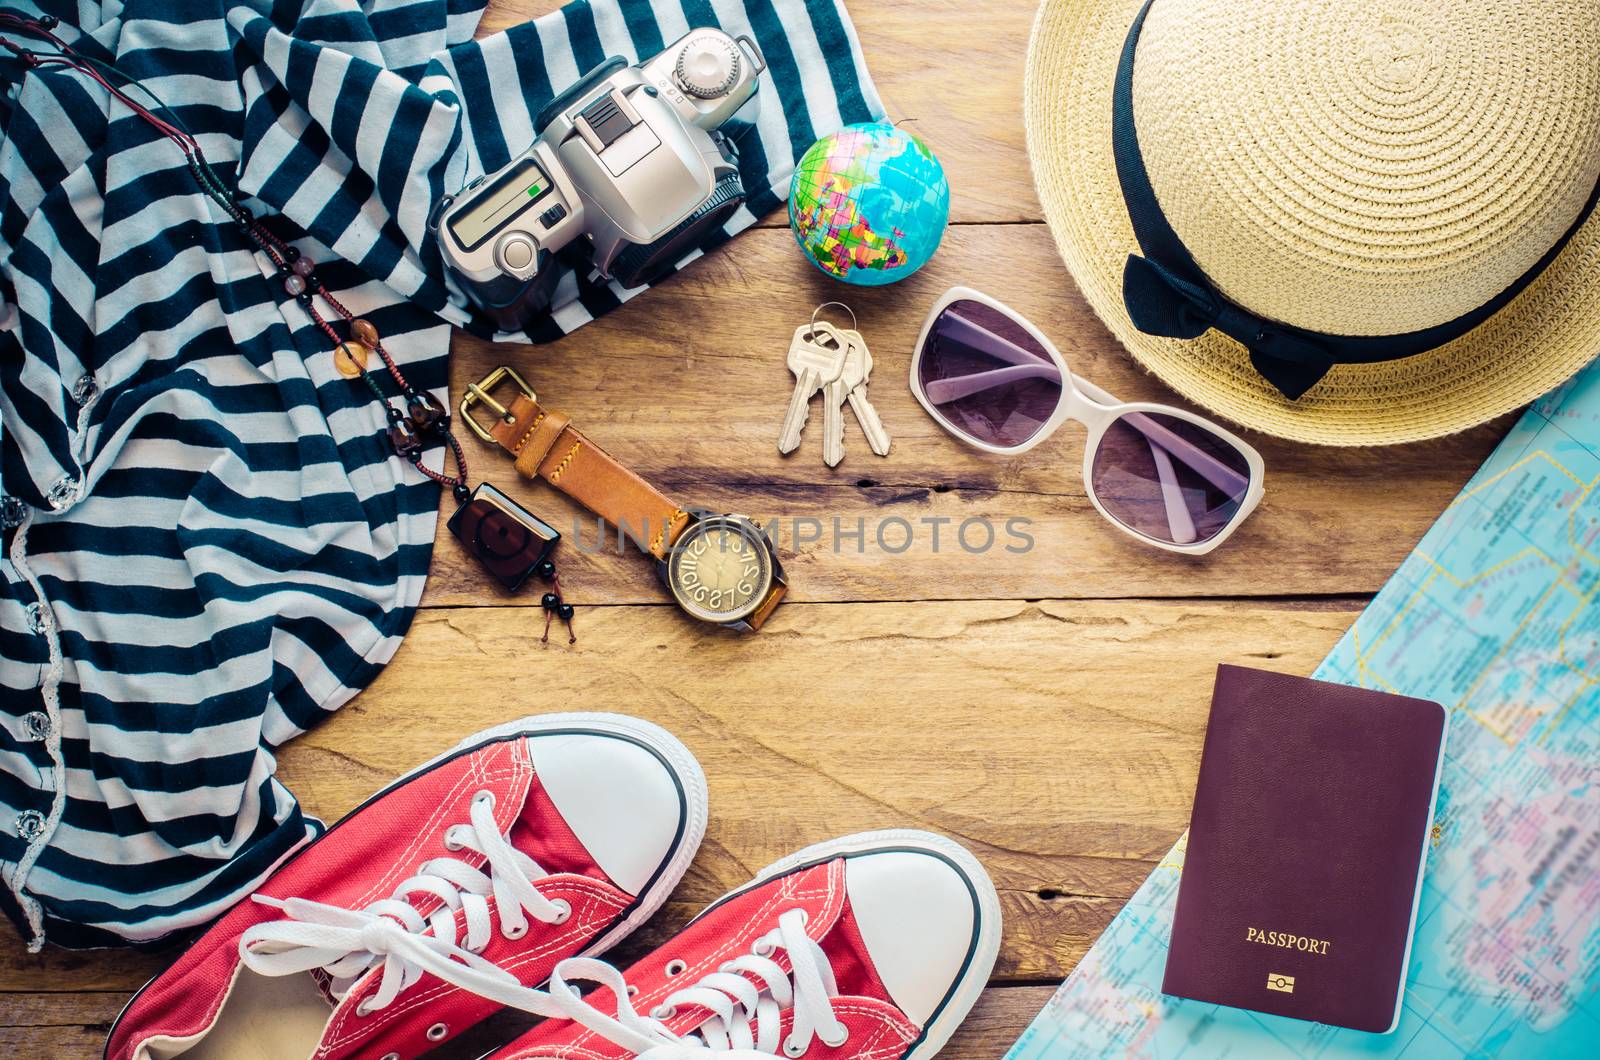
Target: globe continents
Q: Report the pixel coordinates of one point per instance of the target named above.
(869, 204)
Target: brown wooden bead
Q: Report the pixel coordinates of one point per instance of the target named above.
(425, 410)
(351, 358)
(403, 436)
(363, 332)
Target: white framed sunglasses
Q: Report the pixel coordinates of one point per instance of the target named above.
(1160, 474)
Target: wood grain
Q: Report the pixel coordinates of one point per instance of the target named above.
(953, 68)
(1057, 739)
(1044, 707)
(687, 385)
(58, 1026)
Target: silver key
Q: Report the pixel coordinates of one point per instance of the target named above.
(857, 374)
(816, 357)
(833, 398)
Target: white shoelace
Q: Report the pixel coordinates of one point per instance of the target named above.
(346, 943)
(745, 996)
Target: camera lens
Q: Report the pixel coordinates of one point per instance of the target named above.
(645, 263)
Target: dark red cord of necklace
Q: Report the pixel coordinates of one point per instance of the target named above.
(423, 417)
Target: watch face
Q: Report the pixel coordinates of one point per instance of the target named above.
(720, 570)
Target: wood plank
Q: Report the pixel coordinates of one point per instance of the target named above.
(1057, 739)
(974, 123)
(60, 1026)
(74, 1025)
(997, 1021)
(999, 1017)
(1054, 730)
(687, 385)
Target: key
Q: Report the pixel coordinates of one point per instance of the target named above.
(857, 374)
(833, 398)
(816, 357)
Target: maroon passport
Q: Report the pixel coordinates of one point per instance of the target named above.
(1306, 846)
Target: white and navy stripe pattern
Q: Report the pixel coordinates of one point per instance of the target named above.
(207, 542)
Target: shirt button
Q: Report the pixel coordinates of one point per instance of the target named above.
(64, 494)
(37, 722)
(85, 389)
(30, 825)
(36, 617)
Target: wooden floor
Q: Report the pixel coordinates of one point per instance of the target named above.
(1045, 708)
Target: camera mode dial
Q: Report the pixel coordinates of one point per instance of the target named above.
(708, 65)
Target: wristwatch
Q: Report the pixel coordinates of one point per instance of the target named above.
(720, 569)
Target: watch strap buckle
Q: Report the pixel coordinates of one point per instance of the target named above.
(481, 391)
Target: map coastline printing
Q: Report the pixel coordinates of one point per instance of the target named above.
(1494, 614)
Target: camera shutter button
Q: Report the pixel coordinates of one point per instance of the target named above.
(516, 253)
(708, 65)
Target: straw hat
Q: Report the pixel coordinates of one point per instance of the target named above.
(1329, 181)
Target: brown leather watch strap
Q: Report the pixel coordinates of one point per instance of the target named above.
(758, 618)
(547, 446)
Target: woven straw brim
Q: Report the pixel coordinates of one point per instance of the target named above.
(1548, 332)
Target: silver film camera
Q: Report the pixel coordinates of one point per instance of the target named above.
(627, 174)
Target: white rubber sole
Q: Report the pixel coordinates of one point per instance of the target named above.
(690, 776)
(969, 988)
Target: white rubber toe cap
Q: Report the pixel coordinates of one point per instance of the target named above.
(623, 803)
(916, 915)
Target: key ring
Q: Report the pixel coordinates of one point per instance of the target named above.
(824, 305)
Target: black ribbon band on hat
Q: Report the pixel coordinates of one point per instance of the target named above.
(1168, 294)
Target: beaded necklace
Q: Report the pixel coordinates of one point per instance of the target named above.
(424, 416)
(409, 429)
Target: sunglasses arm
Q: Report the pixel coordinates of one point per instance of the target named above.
(944, 391)
(1022, 364)
(960, 331)
(1161, 440)
(1179, 521)
(1207, 466)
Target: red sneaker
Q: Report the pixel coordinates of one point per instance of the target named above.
(864, 948)
(530, 842)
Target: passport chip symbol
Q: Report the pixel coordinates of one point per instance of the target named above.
(1280, 982)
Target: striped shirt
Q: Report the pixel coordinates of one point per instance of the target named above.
(208, 544)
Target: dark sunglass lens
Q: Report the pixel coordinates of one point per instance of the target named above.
(987, 376)
(1169, 479)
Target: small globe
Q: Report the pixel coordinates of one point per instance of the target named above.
(869, 204)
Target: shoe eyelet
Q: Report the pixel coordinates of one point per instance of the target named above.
(633, 990)
(663, 1012)
(792, 1047)
(365, 1007)
(437, 1032)
(483, 797)
(762, 948)
(451, 843)
(516, 932)
(844, 1036)
(563, 910)
(805, 917)
(676, 968)
(390, 1056)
